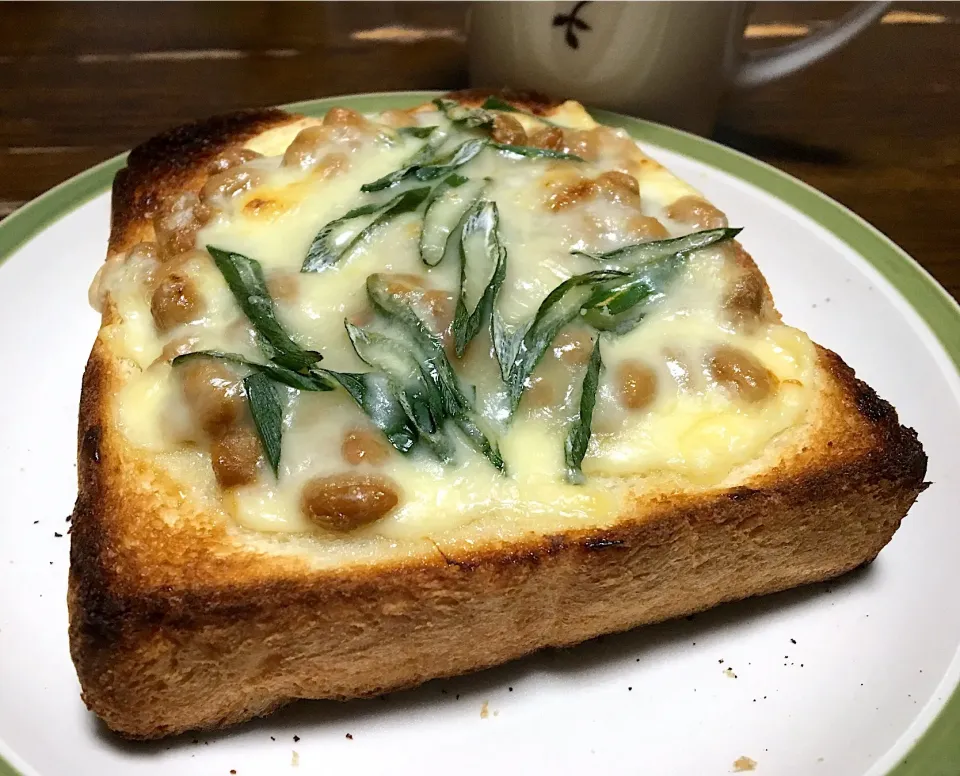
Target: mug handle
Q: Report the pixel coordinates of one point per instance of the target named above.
(759, 67)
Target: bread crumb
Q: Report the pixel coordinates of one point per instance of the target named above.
(295, 759)
(744, 763)
(729, 672)
(496, 713)
(484, 710)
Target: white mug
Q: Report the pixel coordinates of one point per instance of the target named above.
(666, 61)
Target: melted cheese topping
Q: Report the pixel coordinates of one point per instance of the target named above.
(694, 434)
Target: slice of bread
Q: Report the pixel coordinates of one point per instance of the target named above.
(181, 620)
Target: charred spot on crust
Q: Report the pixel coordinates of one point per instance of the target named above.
(90, 446)
(602, 544)
(177, 150)
(739, 495)
(871, 406)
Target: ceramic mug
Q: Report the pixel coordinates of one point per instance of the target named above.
(665, 61)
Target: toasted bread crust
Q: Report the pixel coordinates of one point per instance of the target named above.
(174, 161)
(175, 628)
(532, 102)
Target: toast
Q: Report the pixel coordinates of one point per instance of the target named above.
(187, 613)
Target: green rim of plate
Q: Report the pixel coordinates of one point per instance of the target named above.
(937, 751)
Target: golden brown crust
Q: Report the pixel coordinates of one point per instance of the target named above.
(177, 627)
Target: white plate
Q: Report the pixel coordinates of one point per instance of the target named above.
(841, 678)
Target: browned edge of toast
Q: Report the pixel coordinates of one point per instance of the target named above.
(169, 634)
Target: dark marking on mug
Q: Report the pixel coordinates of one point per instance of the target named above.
(572, 22)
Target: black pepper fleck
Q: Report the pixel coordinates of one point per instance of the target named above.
(458, 697)
(350, 736)
(273, 738)
(631, 689)
(296, 738)
(58, 535)
(793, 641)
(233, 771)
(35, 522)
(510, 689)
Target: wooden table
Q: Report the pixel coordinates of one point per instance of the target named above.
(877, 126)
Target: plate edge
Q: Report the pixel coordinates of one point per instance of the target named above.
(938, 747)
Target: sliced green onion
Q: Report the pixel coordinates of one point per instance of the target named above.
(561, 306)
(533, 152)
(339, 238)
(578, 437)
(267, 415)
(483, 266)
(434, 364)
(429, 163)
(418, 396)
(618, 305)
(633, 256)
(444, 216)
(375, 396)
(298, 380)
(246, 282)
(418, 132)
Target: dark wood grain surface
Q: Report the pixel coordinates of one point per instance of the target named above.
(877, 126)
